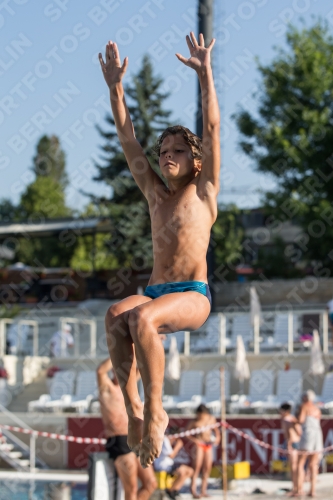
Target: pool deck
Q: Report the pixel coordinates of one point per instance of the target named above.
(266, 488)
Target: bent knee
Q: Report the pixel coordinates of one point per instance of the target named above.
(151, 485)
(139, 319)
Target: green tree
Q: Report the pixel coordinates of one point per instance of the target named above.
(50, 160)
(93, 248)
(131, 238)
(8, 211)
(227, 238)
(44, 199)
(291, 136)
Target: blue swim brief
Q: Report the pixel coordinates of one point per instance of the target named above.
(155, 291)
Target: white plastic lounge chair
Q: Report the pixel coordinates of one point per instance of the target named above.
(261, 389)
(280, 335)
(212, 396)
(190, 387)
(86, 390)
(289, 389)
(210, 342)
(62, 384)
(241, 325)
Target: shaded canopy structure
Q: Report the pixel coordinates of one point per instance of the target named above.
(55, 227)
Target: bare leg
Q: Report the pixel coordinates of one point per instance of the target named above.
(150, 356)
(166, 314)
(148, 480)
(206, 469)
(122, 355)
(182, 473)
(127, 470)
(199, 456)
(293, 460)
(313, 466)
(301, 475)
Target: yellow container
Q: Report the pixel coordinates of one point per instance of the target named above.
(329, 459)
(280, 466)
(239, 470)
(164, 480)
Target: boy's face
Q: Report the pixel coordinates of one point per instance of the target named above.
(176, 158)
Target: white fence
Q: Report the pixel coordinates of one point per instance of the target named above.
(33, 337)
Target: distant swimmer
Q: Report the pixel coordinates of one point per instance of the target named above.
(204, 442)
(115, 422)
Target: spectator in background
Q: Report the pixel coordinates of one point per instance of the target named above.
(115, 420)
(311, 441)
(60, 341)
(204, 442)
(292, 434)
(167, 461)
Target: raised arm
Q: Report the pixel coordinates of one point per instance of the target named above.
(103, 379)
(200, 61)
(113, 72)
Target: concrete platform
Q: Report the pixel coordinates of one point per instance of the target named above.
(44, 475)
(270, 488)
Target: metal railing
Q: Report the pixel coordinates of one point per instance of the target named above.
(89, 334)
(20, 325)
(28, 450)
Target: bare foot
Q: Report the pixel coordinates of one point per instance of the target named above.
(205, 494)
(134, 437)
(154, 426)
(195, 495)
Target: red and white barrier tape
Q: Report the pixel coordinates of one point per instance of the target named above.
(87, 440)
(243, 435)
(51, 435)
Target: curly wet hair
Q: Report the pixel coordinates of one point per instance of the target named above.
(193, 141)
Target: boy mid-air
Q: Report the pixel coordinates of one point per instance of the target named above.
(182, 211)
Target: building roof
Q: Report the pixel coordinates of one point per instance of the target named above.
(54, 227)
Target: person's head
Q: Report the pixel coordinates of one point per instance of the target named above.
(308, 396)
(202, 409)
(179, 152)
(171, 431)
(285, 409)
(67, 328)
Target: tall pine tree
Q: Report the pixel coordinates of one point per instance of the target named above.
(44, 199)
(50, 160)
(131, 238)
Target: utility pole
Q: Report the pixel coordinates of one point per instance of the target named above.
(205, 26)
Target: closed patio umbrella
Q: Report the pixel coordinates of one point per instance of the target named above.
(317, 366)
(172, 370)
(256, 319)
(241, 371)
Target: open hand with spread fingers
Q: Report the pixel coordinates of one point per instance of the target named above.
(112, 68)
(200, 55)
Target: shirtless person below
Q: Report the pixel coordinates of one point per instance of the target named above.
(292, 433)
(203, 449)
(115, 422)
(182, 210)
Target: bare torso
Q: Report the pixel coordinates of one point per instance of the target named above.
(113, 411)
(289, 424)
(181, 225)
(202, 421)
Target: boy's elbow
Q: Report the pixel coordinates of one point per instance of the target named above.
(214, 126)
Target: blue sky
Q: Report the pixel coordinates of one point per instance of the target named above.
(51, 82)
